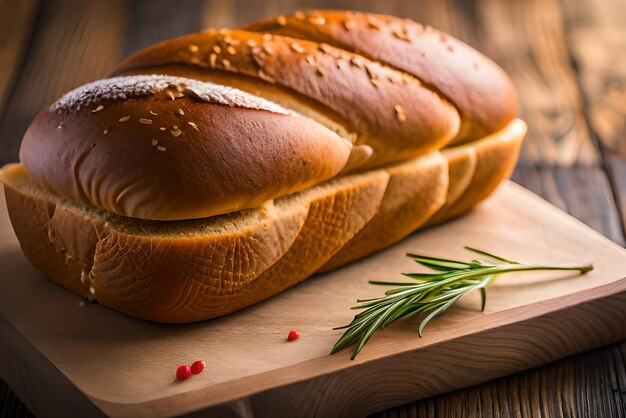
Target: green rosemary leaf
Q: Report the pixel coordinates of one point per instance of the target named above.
(483, 298)
(487, 254)
(438, 311)
(431, 293)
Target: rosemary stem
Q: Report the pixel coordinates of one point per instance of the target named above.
(432, 294)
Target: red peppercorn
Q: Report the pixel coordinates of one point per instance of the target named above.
(293, 335)
(197, 367)
(183, 372)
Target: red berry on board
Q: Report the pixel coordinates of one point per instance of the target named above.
(183, 372)
(197, 367)
(293, 335)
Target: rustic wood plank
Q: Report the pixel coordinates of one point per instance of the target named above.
(579, 386)
(16, 28)
(617, 170)
(596, 33)
(148, 24)
(75, 42)
(583, 192)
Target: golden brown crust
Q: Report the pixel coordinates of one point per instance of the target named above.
(388, 110)
(496, 156)
(416, 190)
(150, 273)
(166, 197)
(152, 157)
(481, 91)
(184, 271)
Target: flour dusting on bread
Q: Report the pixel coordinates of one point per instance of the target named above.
(121, 88)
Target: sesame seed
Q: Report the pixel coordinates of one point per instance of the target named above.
(160, 148)
(374, 81)
(155, 142)
(97, 109)
(264, 76)
(175, 132)
(212, 60)
(193, 48)
(373, 23)
(163, 128)
(297, 47)
(145, 121)
(223, 31)
(228, 40)
(281, 20)
(267, 37)
(400, 113)
(325, 48)
(226, 63)
(349, 24)
(61, 125)
(319, 20)
(217, 49)
(268, 49)
(309, 59)
(300, 15)
(400, 34)
(231, 50)
(356, 61)
(193, 125)
(235, 42)
(124, 118)
(81, 303)
(105, 131)
(195, 60)
(251, 43)
(92, 290)
(181, 112)
(153, 113)
(320, 71)
(170, 95)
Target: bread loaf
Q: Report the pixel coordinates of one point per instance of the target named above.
(218, 169)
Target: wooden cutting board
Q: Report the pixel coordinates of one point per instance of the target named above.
(64, 359)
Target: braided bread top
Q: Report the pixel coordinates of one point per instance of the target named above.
(219, 121)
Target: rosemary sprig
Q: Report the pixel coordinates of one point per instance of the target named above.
(433, 293)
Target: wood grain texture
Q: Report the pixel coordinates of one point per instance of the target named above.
(75, 42)
(148, 25)
(598, 377)
(552, 391)
(527, 39)
(16, 20)
(596, 34)
(583, 192)
(565, 313)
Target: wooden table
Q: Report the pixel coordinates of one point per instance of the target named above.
(567, 59)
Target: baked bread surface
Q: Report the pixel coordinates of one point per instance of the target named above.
(218, 169)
